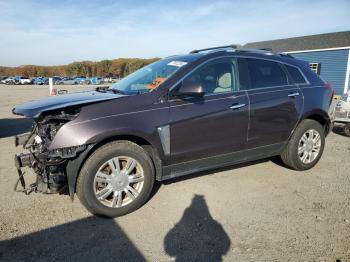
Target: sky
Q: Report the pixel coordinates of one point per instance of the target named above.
(56, 32)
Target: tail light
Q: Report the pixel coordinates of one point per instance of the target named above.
(330, 87)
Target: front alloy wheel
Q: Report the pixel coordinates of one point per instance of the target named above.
(116, 179)
(119, 181)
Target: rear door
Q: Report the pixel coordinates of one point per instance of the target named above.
(275, 102)
(214, 125)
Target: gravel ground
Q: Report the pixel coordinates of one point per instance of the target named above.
(259, 211)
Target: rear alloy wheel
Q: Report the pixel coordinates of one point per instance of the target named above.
(116, 179)
(305, 147)
(309, 146)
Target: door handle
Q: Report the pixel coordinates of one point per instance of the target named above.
(237, 106)
(293, 94)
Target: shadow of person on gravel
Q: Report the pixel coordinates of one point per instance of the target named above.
(14, 126)
(89, 239)
(197, 236)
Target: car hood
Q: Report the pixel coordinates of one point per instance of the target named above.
(34, 108)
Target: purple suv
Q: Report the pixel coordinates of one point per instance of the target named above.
(182, 114)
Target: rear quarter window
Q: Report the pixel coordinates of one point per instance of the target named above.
(295, 74)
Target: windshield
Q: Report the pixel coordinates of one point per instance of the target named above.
(149, 77)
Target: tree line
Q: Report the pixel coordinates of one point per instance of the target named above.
(112, 68)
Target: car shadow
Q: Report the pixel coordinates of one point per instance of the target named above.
(197, 236)
(14, 126)
(89, 239)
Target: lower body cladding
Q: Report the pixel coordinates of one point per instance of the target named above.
(50, 167)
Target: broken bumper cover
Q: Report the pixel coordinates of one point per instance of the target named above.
(23, 160)
(21, 139)
(49, 166)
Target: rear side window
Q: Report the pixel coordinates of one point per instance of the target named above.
(264, 73)
(295, 74)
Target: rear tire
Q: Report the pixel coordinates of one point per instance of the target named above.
(109, 163)
(305, 147)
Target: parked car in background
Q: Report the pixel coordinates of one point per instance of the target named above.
(41, 81)
(67, 81)
(8, 81)
(23, 80)
(94, 81)
(3, 78)
(111, 79)
(183, 114)
(342, 113)
(80, 79)
(56, 79)
(107, 79)
(115, 79)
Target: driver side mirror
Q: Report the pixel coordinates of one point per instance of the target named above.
(190, 88)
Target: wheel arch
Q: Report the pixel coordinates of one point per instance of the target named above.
(320, 117)
(74, 165)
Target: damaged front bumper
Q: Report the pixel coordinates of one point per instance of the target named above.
(50, 166)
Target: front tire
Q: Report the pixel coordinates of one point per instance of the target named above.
(116, 179)
(305, 147)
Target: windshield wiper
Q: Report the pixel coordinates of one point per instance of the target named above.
(101, 89)
(116, 91)
(105, 89)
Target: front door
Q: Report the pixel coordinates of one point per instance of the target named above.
(214, 125)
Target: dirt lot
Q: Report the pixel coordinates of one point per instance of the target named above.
(255, 212)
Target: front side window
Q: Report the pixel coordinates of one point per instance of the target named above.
(215, 77)
(264, 73)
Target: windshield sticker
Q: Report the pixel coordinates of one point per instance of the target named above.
(177, 63)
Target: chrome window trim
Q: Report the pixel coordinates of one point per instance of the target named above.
(269, 87)
(272, 91)
(235, 56)
(211, 100)
(281, 62)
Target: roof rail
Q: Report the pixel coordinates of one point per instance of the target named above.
(239, 48)
(256, 50)
(213, 48)
(284, 55)
(267, 51)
